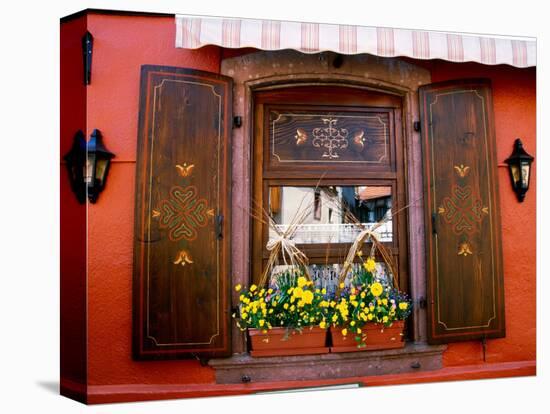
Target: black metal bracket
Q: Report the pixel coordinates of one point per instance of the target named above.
(416, 126)
(484, 347)
(87, 50)
(219, 226)
(237, 121)
(422, 302)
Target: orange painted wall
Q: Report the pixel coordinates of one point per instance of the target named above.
(73, 215)
(121, 45)
(514, 95)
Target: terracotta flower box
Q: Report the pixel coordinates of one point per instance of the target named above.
(279, 341)
(377, 337)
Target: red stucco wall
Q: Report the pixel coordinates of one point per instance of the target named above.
(514, 95)
(73, 214)
(121, 45)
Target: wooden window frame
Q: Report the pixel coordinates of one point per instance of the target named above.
(337, 98)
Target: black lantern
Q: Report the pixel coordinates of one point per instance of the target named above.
(88, 166)
(519, 165)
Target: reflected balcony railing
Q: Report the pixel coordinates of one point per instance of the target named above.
(334, 233)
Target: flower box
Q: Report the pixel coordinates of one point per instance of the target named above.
(283, 341)
(377, 336)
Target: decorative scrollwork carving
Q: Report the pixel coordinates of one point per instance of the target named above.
(330, 138)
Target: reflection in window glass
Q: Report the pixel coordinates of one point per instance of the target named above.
(326, 223)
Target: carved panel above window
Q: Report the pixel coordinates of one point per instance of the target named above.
(319, 136)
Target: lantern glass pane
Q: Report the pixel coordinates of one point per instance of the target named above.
(100, 168)
(515, 174)
(89, 169)
(524, 174)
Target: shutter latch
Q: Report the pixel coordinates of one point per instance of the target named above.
(219, 226)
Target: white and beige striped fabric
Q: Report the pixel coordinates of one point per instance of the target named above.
(195, 32)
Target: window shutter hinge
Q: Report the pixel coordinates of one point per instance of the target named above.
(422, 303)
(219, 226)
(237, 121)
(416, 126)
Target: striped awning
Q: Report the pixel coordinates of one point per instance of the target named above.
(195, 32)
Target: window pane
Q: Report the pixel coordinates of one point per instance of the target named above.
(327, 222)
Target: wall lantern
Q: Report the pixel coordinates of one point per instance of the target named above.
(88, 166)
(519, 165)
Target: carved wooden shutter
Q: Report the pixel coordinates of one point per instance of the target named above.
(465, 281)
(181, 249)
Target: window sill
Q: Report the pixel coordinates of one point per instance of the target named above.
(414, 357)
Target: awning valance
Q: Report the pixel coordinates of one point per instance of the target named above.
(195, 32)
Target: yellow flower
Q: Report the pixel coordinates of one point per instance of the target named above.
(384, 302)
(274, 303)
(270, 311)
(238, 287)
(270, 291)
(324, 291)
(241, 298)
(385, 319)
(301, 303)
(307, 297)
(298, 292)
(363, 295)
(344, 332)
(262, 323)
(352, 297)
(285, 306)
(323, 325)
(403, 305)
(358, 330)
(342, 285)
(370, 265)
(292, 308)
(376, 289)
(253, 288)
(334, 318)
(352, 323)
(244, 315)
(302, 281)
(370, 316)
